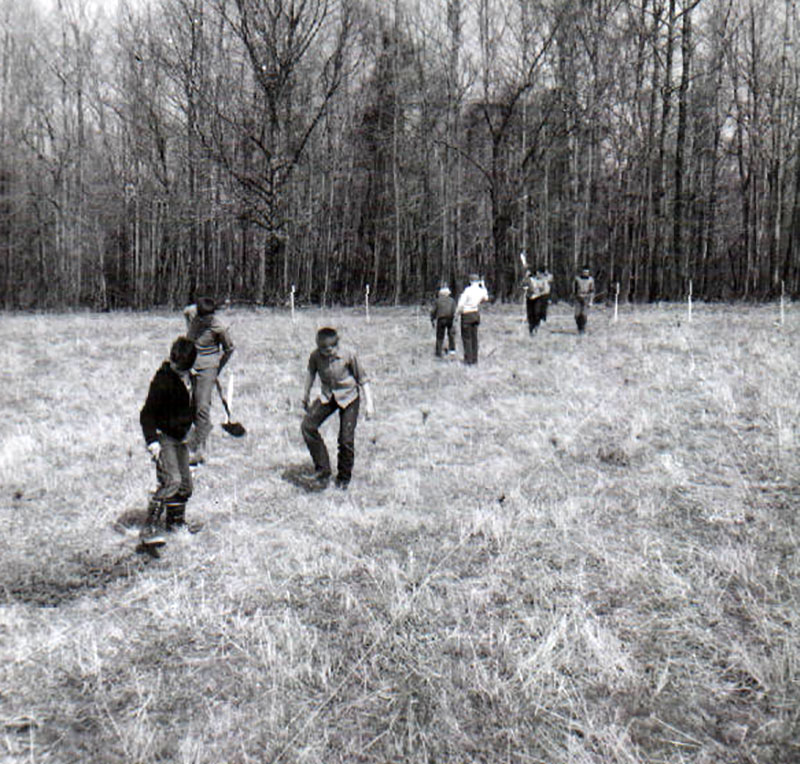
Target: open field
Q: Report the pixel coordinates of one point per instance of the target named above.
(584, 550)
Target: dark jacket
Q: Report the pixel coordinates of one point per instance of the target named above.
(168, 407)
(444, 307)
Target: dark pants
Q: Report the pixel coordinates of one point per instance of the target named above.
(445, 325)
(543, 301)
(469, 336)
(533, 311)
(172, 470)
(348, 418)
(580, 314)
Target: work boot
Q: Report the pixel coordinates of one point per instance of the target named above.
(175, 513)
(149, 535)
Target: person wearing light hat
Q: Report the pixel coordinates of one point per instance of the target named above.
(442, 318)
(469, 309)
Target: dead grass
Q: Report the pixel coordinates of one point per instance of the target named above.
(581, 551)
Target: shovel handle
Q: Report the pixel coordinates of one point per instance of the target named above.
(222, 398)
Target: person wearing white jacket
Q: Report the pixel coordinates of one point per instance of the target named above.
(468, 308)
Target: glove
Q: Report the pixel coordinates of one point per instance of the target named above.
(155, 450)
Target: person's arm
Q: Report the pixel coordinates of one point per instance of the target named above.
(148, 418)
(228, 347)
(189, 313)
(311, 373)
(369, 404)
(307, 388)
(364, 386)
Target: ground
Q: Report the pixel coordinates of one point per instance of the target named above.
(581, 550)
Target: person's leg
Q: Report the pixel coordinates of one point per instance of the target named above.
(466, 338)
(530, 310)
(317, 413)
(451, 334)
(580, 317)
(348, 419)
(168, 469)
(203, 390)
(469, 334)
(440, 328)
(175, 506)
(168, 475)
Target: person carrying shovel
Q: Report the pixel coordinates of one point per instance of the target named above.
(215, 347)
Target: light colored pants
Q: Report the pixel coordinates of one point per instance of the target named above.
(203, 382)
(172, 469)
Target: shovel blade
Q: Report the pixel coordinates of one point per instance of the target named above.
(234, 428)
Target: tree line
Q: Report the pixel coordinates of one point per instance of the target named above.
(244, 147)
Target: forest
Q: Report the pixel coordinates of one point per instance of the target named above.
(153, 150)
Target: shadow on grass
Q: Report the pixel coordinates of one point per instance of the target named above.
(66, 580)
(302, 476)
(131, 519)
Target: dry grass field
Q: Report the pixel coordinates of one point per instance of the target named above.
(583, 550)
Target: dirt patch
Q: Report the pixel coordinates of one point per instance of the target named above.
(75, 578)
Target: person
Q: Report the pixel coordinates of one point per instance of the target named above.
(583, 291)
(533, 287)
(442, 319)
(214, 349)
(468, 308)
(342, 383)
(166, 419)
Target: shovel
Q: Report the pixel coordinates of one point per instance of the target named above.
(232, 428)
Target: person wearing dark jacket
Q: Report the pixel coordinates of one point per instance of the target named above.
(166, 419)
(442, 319)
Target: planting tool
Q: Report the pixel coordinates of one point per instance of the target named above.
(232, 428)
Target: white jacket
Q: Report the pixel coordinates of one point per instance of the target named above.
(471, 299)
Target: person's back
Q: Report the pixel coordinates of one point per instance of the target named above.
(472, 297)
(445, 306)
(442, 319)
(468, 308)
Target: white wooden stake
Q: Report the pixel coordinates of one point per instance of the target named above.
(690, 301)
(616, 303)
(291, 300)
(783, 294)
(366, 302)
